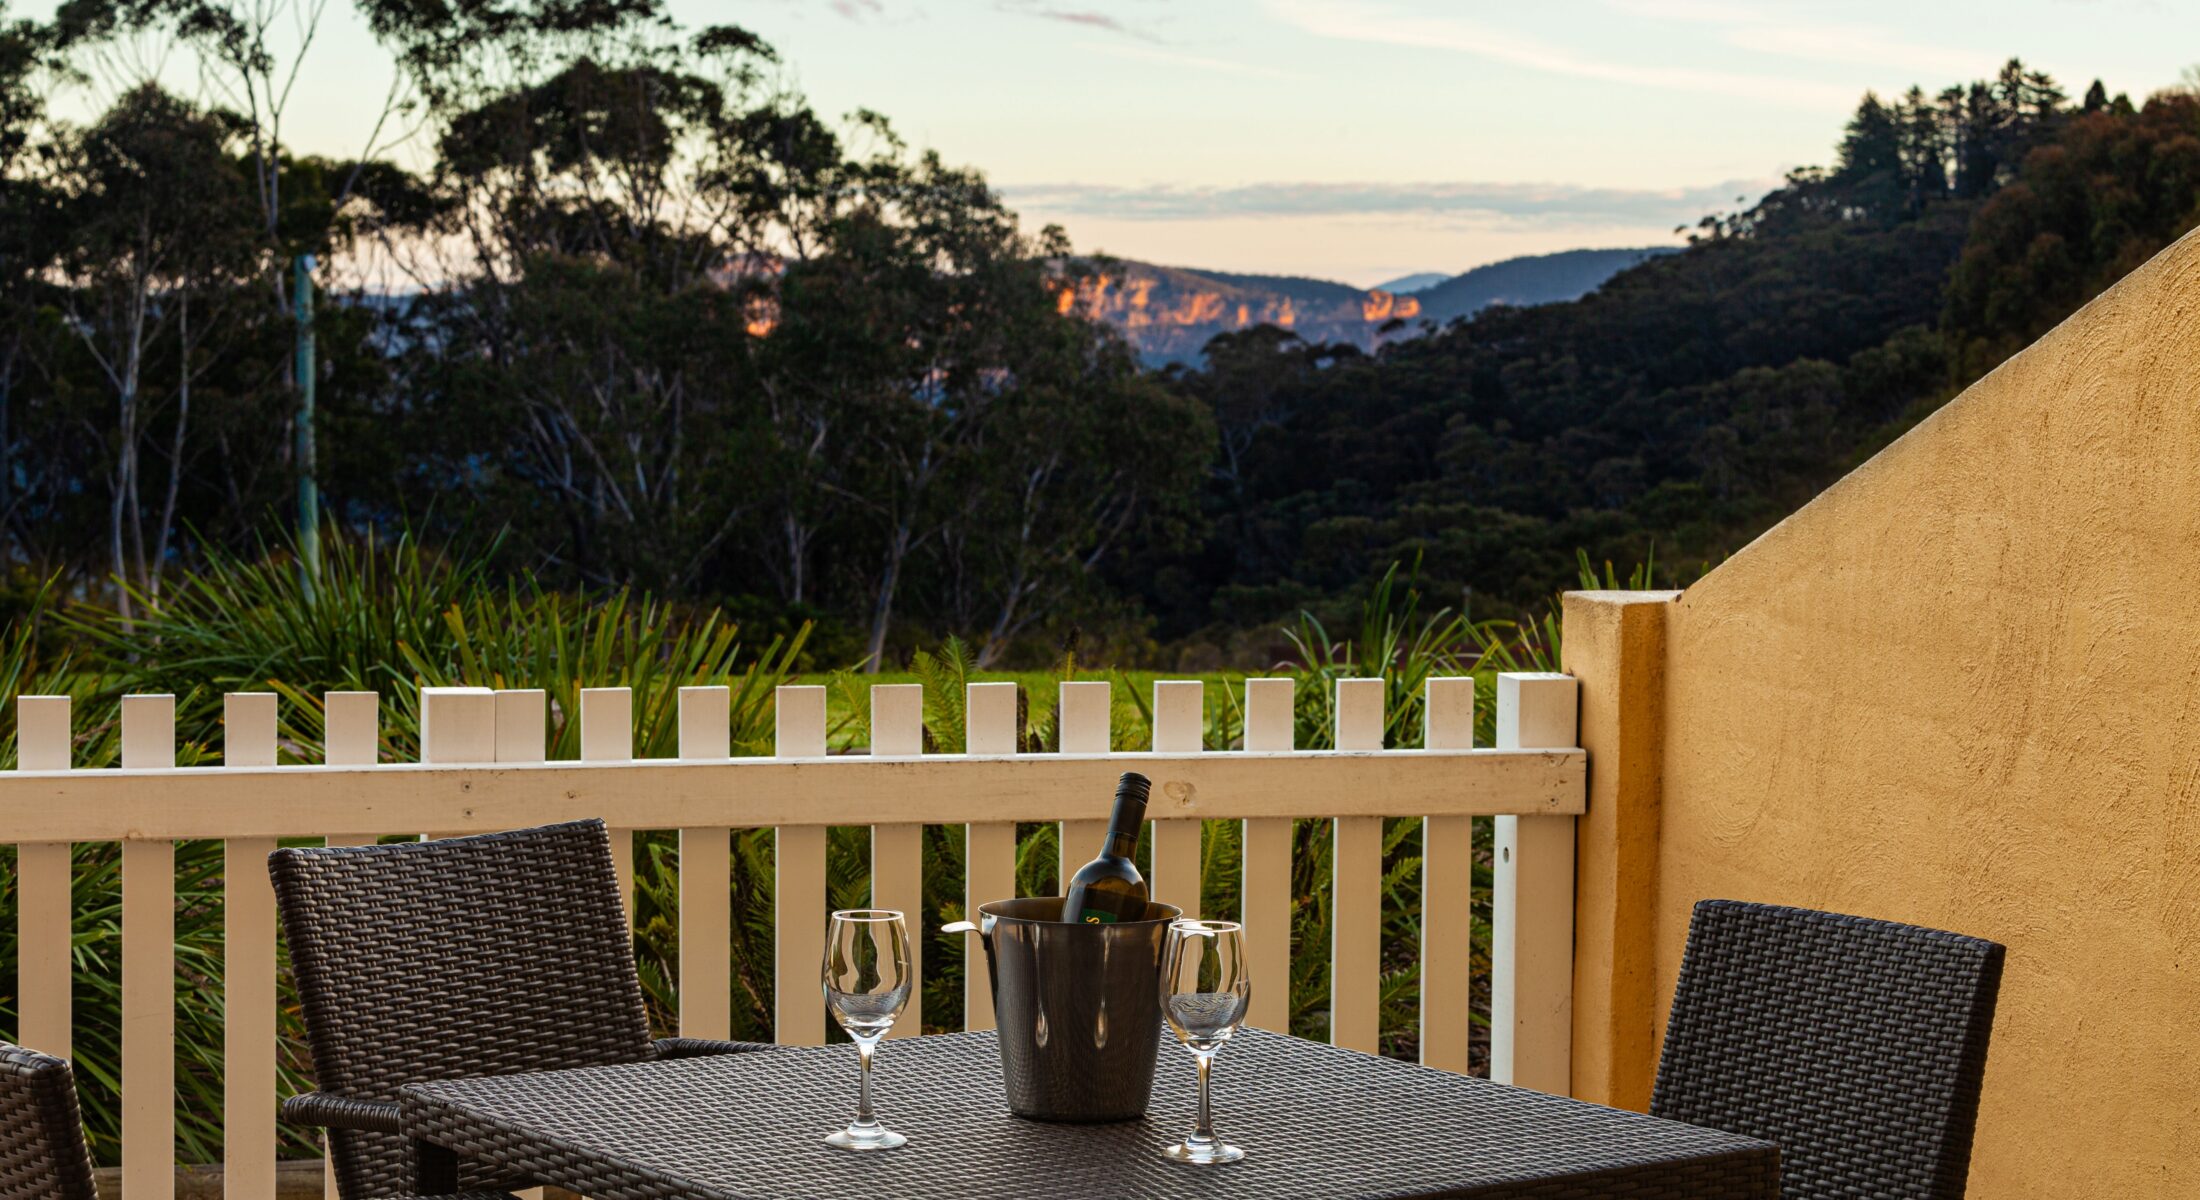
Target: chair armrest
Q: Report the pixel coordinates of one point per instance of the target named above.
(342, 1112)
(679, 1047)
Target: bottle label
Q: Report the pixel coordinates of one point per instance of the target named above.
(1095, 916)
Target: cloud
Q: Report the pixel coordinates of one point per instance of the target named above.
(1485, 204)
(857, 10)
(1384, 24)
(1758, 29)
(1086, 18)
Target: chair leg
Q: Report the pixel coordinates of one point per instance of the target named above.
(435, 1169)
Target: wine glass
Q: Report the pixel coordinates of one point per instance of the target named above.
(867, 982)
(1205, 988)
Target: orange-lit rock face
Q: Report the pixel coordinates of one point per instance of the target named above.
(1382, 306)
(1165, 312)
(1172, 312)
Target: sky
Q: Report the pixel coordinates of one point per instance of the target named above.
(1361, 140)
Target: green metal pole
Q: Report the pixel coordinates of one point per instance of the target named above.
(309, 491)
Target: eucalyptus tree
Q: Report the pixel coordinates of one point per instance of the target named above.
(158, 236)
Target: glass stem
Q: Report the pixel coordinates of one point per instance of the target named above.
(863, 1089)
(1204, 1131)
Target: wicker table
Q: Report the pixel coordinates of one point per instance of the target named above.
(1314, 1121)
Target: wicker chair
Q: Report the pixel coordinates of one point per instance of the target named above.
(42, 1152)
(1857, 1046)
(472, 956)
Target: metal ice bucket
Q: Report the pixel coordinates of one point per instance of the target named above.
(1078, 1007)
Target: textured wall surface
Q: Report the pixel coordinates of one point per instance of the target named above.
(1962, 688)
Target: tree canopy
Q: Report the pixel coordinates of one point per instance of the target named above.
(1694, 399)
(639, 315)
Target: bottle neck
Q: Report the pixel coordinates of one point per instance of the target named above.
(1122, 842)
(1124, 824)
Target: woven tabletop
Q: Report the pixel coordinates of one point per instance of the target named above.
(1314, 1121)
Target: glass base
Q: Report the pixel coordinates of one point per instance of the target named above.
(1204, 1150)
(865, 1137)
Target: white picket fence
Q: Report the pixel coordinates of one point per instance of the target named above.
(482, 770)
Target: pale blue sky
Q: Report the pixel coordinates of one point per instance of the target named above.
(1361, 139)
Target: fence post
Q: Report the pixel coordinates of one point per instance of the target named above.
(607, 735)
(148, 971)
(798, 881)
(897, 849)
(989, 848)
(1615, 645)
(248, 969)
(1179, 727)
(1083, 720)
(706, 879)
(1266, 892)
(44, 915)
(1532, 903)
(1356, 886)
(1447, 892)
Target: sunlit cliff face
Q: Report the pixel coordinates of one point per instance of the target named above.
(1172, 312)
(1382, 306)
(1143, 302)
(1162, 310)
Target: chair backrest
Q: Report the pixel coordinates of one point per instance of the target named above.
(1856, 1045)
(489, 955)
(42, 1152)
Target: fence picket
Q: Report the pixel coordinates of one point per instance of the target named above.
(44, 879)
(607, 735)
(1270, 727)
(897, 849)
(351, 736)
(1082, 720)
(522, 725)
(706, 879)
(1532, 902)
(248, 969)
(148, 971)
(798, 893)
(1179, 727)
(1356, 922)
(351, 733)
(457, 725)
(1447, 892)
(989, 849)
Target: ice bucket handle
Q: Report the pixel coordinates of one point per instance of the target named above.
(983, 928)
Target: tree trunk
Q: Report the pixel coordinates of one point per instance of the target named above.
(798, 560)
(882, 612)
(125, 484)
(175, 452)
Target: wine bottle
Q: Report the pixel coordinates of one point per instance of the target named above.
(1109, 888)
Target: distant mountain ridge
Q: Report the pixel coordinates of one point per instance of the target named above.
(1169, 313)
(1407, 284)
(1519, 282)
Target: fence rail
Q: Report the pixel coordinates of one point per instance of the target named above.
(482, 770)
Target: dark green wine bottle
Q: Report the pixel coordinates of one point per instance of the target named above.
(1109, 888)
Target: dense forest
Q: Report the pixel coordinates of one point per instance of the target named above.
(645, 319)
(1697, 398)
(636, 315)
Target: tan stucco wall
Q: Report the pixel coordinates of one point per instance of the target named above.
(1962, 688)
